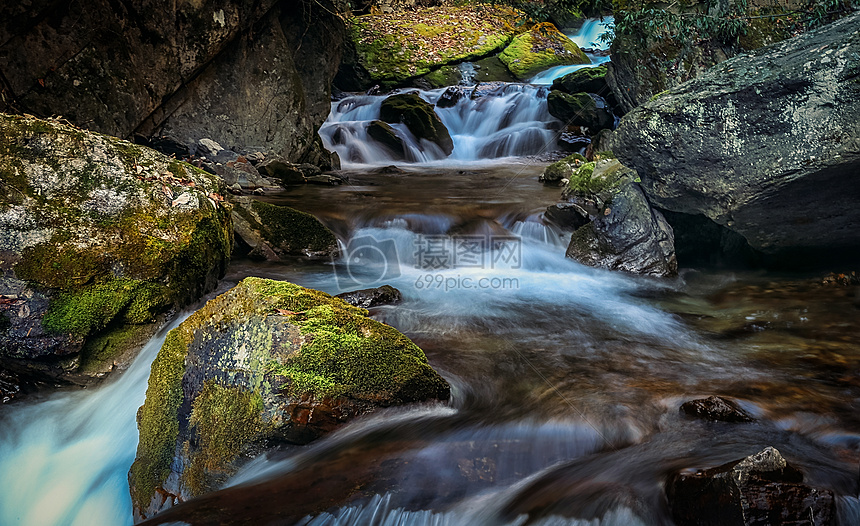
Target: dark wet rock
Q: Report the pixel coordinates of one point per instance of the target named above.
(383, 133)
(243, 173)
(845, 279)
(10, 386)
(418, 115)
(573, 142)
(580, 109)
(390, 169)
(327, 180)
(244, 73)
(757, 490)
(286, 172)
(253, 369)
(271, 232)
(766, 145)
(169, 147)
(716, 409)
(567, 216)
(367, 298)
(99, 238)
(625, 232)
(450, 97)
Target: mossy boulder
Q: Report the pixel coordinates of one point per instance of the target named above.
(589, 80)
(580, 109)
(272, 232)
(541, 48)
(98, 236)
(394, 47)
(265, 363)
(419, 117)
(563, 169)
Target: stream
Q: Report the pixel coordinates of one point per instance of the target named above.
(566, 380)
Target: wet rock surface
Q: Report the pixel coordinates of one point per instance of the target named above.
(717, 409)
(271, 232)
(419, 117)
(367, 298)
(760, 489)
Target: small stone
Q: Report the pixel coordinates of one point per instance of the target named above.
(367, 298)
(716, 409)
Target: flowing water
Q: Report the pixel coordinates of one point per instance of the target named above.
(566, 380)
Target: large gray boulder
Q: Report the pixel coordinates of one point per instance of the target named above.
(765, 144)
(250, 74)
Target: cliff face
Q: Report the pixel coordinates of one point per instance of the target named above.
(254, 74)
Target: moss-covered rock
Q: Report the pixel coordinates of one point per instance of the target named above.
(419, 116)
(395, 47)
(580, 109)
(273, 231)
(541, 48)
(589, 80)
(274, 362)
(98, 234)
(561, 169)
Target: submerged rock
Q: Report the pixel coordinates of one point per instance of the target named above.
(418, 115)
(272, 232)
(759, 489)
(98, 237)
(542, 47)
(264, 363)
(766, 145)
(367, 298)
(716, 408)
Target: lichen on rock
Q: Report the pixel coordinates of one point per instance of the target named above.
(99, 234)
(277, 362)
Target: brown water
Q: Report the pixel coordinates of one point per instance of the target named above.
(566, 382)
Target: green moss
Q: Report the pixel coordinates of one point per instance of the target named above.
(61, 267)
(541, 48)
(444, 76)
(419, 116)
(100, 352)
(92, 308)
(157, 418)
(294, 230)
(225, 419)
(394, 48)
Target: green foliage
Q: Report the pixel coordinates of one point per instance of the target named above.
(648, 20)
(555, 10)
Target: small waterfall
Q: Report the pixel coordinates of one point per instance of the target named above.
(587, 38)
(509, 120)
(467, 74)
(65, 461)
